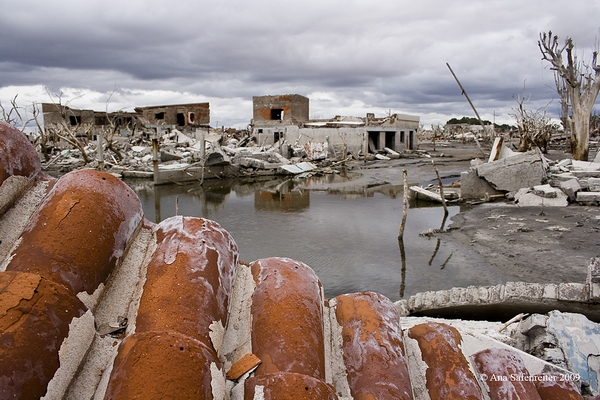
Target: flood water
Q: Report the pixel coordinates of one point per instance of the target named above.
(349, 239)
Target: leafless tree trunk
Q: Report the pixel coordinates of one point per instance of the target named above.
(582, 83)
(565, 106)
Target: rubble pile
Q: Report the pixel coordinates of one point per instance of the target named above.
(532, 180)
(229, 154)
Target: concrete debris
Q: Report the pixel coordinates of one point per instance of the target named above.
(549, 197)
(570, 341)
(501, 299)
(531, 179)
(515, 172)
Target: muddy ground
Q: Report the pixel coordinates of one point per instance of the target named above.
(529, 244)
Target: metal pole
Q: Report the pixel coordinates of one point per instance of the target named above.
(472, 106)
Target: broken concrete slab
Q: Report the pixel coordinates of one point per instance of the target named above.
(585, 165)
(391, 153)
(474, 187)
(297, 168)
(515, 172)
(527, 197)
(570, 188)
(588, 197)
(594, 184)
(545, 191)
(568, 340)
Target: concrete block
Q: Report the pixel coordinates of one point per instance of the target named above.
(534, 321)
(550, 292)
(593, 279)
(570, 188)
(588, 197)
(474, 187)
(530, 291)
(594, 184)
(565, 176)
(513, 173)
(525, 197)
(573, 292)
(594, 270)
(564, 163)
(545, 191)
(585, 165)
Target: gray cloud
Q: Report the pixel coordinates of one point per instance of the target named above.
(348, 56)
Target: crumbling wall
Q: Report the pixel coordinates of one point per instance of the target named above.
(289, 108)
(179, 114)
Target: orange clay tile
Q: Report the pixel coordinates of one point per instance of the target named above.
(80, 231)
(448, 375)
(505, 374)
(243, 365)
(34, 320)
(373, 347)
(17, 155)
(161, 365)
(288, 386)
(189, 278)
(287, 318)
(557, 387)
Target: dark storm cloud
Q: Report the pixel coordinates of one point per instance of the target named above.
(348, 57)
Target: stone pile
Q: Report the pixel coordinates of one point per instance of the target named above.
(533, 180)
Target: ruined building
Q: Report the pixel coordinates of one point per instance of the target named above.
(180, 115)
(285, 119)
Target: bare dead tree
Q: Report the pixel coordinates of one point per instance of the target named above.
(42, 138)
(582, 82)
(71, 135)
(66, 131)
(533, 126)
(15, 115)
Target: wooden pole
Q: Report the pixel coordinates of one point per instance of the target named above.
(441, 188)
(155, 156)
(100, 151)
(405, 206)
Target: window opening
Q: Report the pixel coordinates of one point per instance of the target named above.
(277, 114)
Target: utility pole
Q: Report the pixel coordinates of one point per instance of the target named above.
(472, 106)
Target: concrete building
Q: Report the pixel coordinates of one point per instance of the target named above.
(180, 115)
(286, 119)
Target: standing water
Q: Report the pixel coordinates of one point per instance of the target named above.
(350, 240)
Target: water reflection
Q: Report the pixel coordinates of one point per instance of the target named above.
(350, 238)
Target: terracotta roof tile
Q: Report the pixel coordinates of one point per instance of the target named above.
(194, 311)
(188, 279)
(448, 373)
(161, 365)
(18, 156)
(35, 314)
(287, 324)
(80, 231)
(505, 374)
(373, 346)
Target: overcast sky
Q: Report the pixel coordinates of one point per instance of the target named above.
(349, 57)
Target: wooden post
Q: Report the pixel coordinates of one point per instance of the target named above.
(155, 156)
(100, 151)
(441, 188)
(405, 206)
